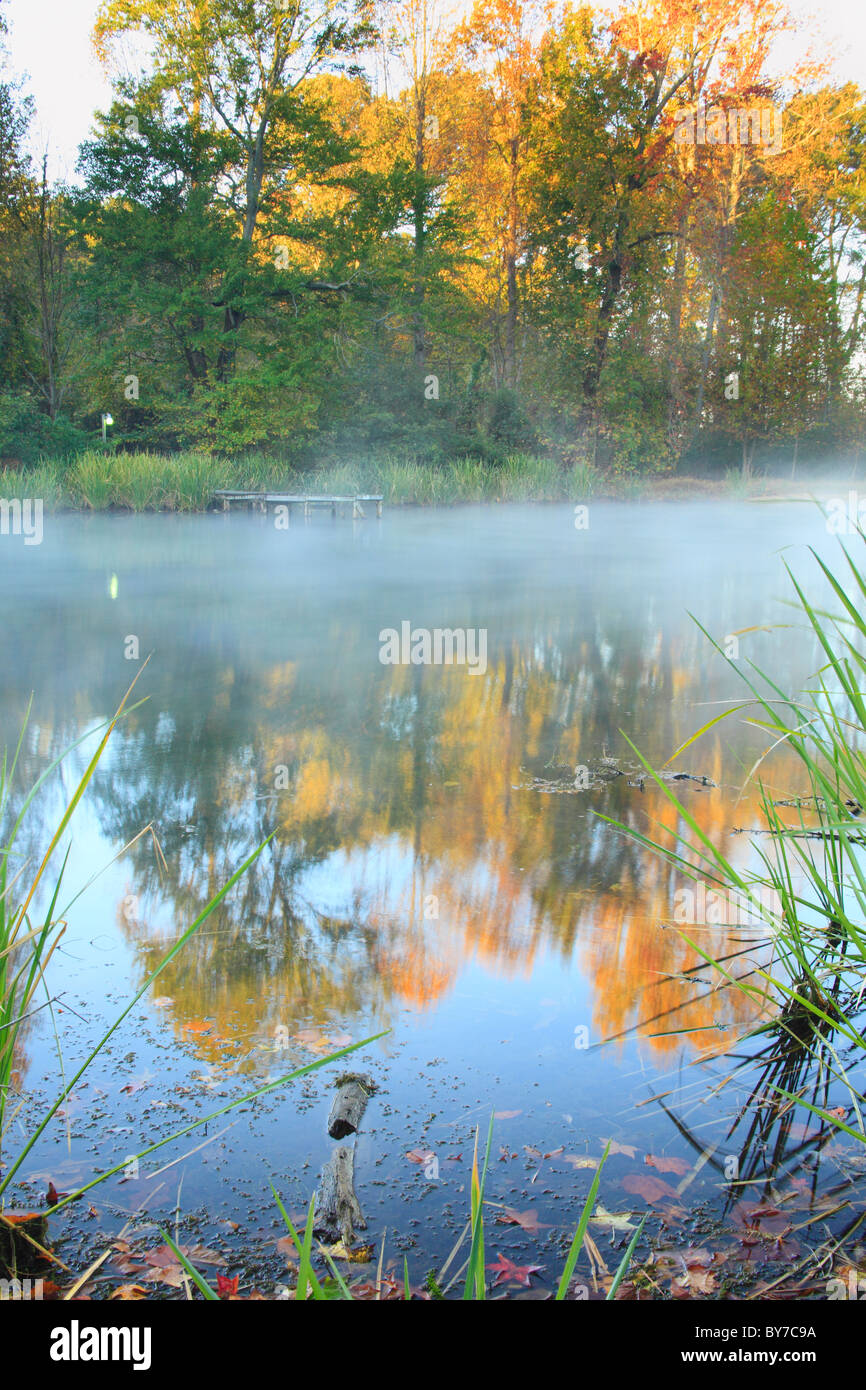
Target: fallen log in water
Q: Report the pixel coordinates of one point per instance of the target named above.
(338, 1210)
(350, 1102)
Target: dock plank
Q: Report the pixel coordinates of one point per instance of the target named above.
(290, 499)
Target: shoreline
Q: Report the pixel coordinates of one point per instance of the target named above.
(178, 484)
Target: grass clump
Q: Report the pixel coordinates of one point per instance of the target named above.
(99, 480)
(810, 887)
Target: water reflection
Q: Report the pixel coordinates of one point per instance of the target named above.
(417, 819)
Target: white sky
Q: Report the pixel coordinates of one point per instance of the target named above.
(49, 43)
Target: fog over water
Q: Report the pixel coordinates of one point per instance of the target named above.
(436, 866)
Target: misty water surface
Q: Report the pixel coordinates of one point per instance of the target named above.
(433, 869)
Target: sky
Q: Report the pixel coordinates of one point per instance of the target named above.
(50, 45)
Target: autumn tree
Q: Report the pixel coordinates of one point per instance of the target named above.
(498, 44)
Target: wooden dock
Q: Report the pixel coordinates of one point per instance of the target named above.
(260, 501)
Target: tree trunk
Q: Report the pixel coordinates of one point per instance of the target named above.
(512, 307)
(610, 294)
(338, 1210)
(350, 1102)
(674, 430)
(715, 301)
(419, 210)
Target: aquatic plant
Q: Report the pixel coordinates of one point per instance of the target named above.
(310, 1284)
(810, 889)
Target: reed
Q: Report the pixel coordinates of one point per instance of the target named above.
(99, 481)
(810, 888)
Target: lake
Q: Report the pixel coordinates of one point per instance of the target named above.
(437, 865)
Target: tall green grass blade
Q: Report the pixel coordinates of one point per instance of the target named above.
(577, 1242)
(624, 1263)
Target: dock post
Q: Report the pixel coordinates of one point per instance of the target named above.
(379, 509)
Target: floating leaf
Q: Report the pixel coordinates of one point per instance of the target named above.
(508, 1272)
(361, 1255)
(628, 1149)
(526, 1220)
(668, 1165)
(617, 1221)
(651, 1189)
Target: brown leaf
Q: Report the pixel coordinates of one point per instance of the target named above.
(420, 1155)
(163, 1257)
(668, 1165)
(699, 1281)
(628, 1149)
(164, 1262)
(172, 1277)
(651, 1189)
(202, 1255)
(360, 1255)
(526, 1220)
(128, 1293)
(124, 1265)
(389, 1290)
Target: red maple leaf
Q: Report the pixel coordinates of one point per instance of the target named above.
(227, 1287)
(506, 1269)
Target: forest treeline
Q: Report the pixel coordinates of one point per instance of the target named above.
(344, 228)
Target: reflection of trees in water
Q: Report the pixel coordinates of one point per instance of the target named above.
(430, 761)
